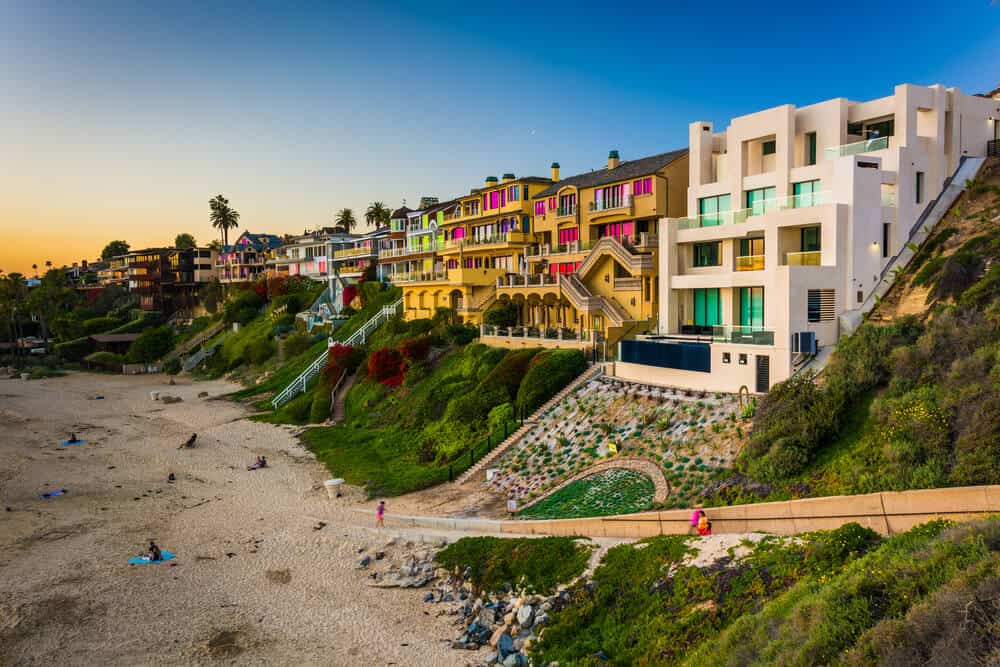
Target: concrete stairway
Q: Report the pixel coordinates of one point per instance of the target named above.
(495, 453)
(339, 404)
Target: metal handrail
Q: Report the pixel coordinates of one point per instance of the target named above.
(300, 384)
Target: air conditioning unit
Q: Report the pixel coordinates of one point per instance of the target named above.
(804, 342)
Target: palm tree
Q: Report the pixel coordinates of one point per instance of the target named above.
(377, 214)
(223, 217)
(48, 264)
(345, 218)
(34, 267)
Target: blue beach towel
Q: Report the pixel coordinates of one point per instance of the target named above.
(70, 443)
(53, 494)
(138, 560)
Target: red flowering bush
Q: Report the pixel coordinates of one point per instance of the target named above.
(340, 358)
(415, 349)
(386, 366)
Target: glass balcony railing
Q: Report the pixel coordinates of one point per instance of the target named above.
(565, 210)
(742, 335)
(750, 263)
(807, 258)
(713, 219)
(865, 146)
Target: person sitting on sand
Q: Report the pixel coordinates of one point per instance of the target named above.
(72, 438)
(190, 441)
(153, 553)
(261, 462)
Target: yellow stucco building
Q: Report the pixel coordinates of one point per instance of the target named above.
(476, 240)
(577, 256)
(592, 275)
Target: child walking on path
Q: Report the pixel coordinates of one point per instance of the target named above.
(380, 515)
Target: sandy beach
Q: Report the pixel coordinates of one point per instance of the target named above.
(254, 581)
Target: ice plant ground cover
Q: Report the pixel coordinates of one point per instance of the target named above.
(603, 494)
(693, 435)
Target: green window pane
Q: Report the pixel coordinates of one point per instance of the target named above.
(713, 308)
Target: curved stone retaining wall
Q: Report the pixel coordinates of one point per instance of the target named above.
(639, 464)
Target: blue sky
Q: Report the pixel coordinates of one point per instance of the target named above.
(123, 120)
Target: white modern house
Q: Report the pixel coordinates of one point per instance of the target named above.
(793, 217)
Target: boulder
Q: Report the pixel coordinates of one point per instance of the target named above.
(524, 615)
(505, 645)
(364, 562)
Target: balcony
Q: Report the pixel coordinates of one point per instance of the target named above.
(750, 263)
(564, 211)
(470, 243)
(532, 280)
(569, 248)
(712, 219)
(742, 335)
(865, 146)
(389, 253)
(419, 276)
(602, 205)
(353, 252)
(560, 336)
(804, 200)
(808, 258)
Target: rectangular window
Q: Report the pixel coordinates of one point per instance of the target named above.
(494, 200)
(810, 148)
(805, 194)
(820, 305)
(751, 247)
(752, 307)
(503, 198)
(539, 208)
(919, 187)
(524, 192)
(569, 235)
(809, 241)
(885, 239)
(762, 200)
(711, 210)
(707, 307)
(769, 148)
(567, 204)
(552, 203)
(707, 254)
(643, 186)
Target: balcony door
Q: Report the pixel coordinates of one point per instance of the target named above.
(752, 308)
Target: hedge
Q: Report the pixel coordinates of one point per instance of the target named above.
(549, 372)
(76, 349)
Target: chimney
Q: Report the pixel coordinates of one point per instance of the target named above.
(555, 172)
(491, 181)
(613, 160)
(507, 178)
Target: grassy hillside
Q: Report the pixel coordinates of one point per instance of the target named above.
(840, 597)
(410, 428)
(910, 400)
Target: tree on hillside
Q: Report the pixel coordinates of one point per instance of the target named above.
(345, 219)
(185, 242)
(34, 267)
(13, 294)
(51, 298)
(223, 216)
(113, 249)
(377, 214)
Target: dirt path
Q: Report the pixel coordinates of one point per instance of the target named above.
(254, 581)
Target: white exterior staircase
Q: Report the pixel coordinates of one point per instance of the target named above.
(301, 383)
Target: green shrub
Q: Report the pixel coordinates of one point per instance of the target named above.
(74, 350)
(296, 343)
(548, 372)
(460, 334)
(244, 307)
(172, 367)
(538, 564)
(499, 416)
(259, 350)
(97, 325)
(319, 410)
(508, 374)
(150, 345)
(501, 314)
